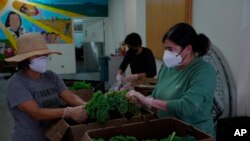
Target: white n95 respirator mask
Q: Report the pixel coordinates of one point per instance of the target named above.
(171, 59)
(39, 64)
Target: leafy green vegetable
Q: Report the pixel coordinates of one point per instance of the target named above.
(98, 107)
(78, 85)
(123, 138)
(101, 105)
(118, 101)
(100, 139)
(171, 137)
(2, 57)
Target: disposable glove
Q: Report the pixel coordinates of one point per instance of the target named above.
(131, 78)
(75, 113)
(119, 77)
(141, 99)
(118, 83)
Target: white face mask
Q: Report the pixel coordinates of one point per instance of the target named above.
(39, 64)
(171, 59)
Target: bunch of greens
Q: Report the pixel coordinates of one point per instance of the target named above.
(2, 57)
(171, 137)
(118, 138)
(79, 85)
(101, 105)
(98, 107)
(123, 138)
(100, 139)
(118, 102)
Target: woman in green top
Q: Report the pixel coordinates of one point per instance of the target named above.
(186, 83)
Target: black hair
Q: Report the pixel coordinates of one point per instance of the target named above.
(43, 32)
(23, 64)
(183, 35)
(133, 39)
(7, 22)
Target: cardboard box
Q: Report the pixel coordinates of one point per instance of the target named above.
(96, 85)
(56, 130)
(68, 130)
(145, 85)
(84, 94)
(144, 89)
(145, 80)
(152, 129)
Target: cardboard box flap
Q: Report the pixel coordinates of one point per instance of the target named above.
(56, 130)
(75, 131)
(84, 94)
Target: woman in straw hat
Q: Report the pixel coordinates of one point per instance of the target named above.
(33, 94)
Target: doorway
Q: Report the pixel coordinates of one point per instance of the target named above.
(89, 44)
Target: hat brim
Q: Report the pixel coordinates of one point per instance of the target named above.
(23, 56)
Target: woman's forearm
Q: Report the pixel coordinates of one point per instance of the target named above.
(158, 104)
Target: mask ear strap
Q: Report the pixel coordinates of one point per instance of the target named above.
(180, 52)
(183, 59)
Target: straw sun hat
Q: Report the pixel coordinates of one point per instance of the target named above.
(28, 45)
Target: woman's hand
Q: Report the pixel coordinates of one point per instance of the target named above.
(119, 77)
(76, 113)
(138, 98)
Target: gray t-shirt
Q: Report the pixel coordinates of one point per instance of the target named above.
(44, 91)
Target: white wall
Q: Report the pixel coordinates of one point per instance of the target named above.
(141, 20)
(135, 12)
(243, 95)
(130, 16)
(65, 63)
(115, 25)
(221, 21)
(125, 16)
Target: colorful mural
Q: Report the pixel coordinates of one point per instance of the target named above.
(51, 18)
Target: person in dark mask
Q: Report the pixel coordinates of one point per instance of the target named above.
(140, 59)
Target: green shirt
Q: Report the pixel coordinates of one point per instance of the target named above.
(189, 94)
